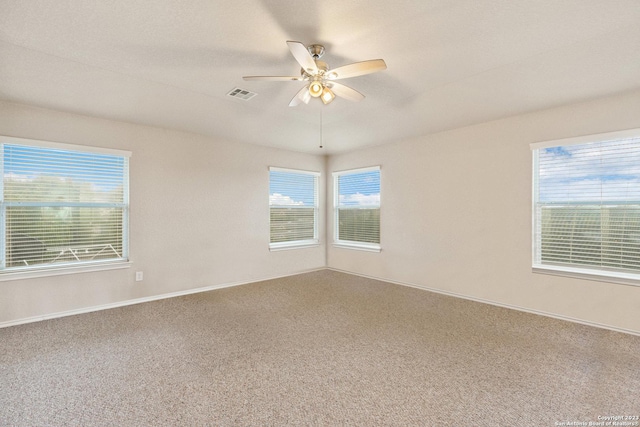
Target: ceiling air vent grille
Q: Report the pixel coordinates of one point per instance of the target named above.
(241, 94)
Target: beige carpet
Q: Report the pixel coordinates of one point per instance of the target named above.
(323, 348)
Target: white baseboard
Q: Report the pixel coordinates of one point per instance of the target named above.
(143, 300)
(231, 284)
(494, 303)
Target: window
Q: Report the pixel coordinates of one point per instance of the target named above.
(357, 208)
(61, 205)
(586, 210)
(293, 208)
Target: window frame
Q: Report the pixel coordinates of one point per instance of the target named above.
(353, 244)
(575, 271)
(302, 243)
(45, 270)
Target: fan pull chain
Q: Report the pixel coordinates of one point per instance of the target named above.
(321, 127)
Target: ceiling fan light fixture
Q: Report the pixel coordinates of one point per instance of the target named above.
(315, 89)
(327, 96)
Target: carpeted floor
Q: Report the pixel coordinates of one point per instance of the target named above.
(323, 348)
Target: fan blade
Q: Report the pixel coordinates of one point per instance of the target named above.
(303, 95)
(304, 58)
(345, 92)
(273, 78)
(356, 69)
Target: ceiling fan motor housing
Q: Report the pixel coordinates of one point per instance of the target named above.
(322, 69)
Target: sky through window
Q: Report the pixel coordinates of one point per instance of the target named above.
(591, 172)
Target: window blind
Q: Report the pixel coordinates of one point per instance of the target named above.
(587, 205)
(293, 207)
(62, 206)
(357, 207)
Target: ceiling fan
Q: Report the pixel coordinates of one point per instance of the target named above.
(322, 79)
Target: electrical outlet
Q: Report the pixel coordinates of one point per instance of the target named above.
(139, 276)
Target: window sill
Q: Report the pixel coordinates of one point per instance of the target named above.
(358, 246)
(587, 274)
(61, 270)
(285, 246)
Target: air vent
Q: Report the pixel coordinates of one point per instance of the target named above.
(241, 94)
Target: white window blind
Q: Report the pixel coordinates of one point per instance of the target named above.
(357, 208)
(62, 206)
(587, 205)
(293, 207)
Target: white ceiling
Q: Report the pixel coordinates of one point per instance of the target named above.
(451, 63)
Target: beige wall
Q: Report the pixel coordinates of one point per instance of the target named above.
(199, 214)
(456, 214)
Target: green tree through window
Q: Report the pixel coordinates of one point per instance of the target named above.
(62, 206)
(357, 208)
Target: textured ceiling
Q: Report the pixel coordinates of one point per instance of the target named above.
(451, 63)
